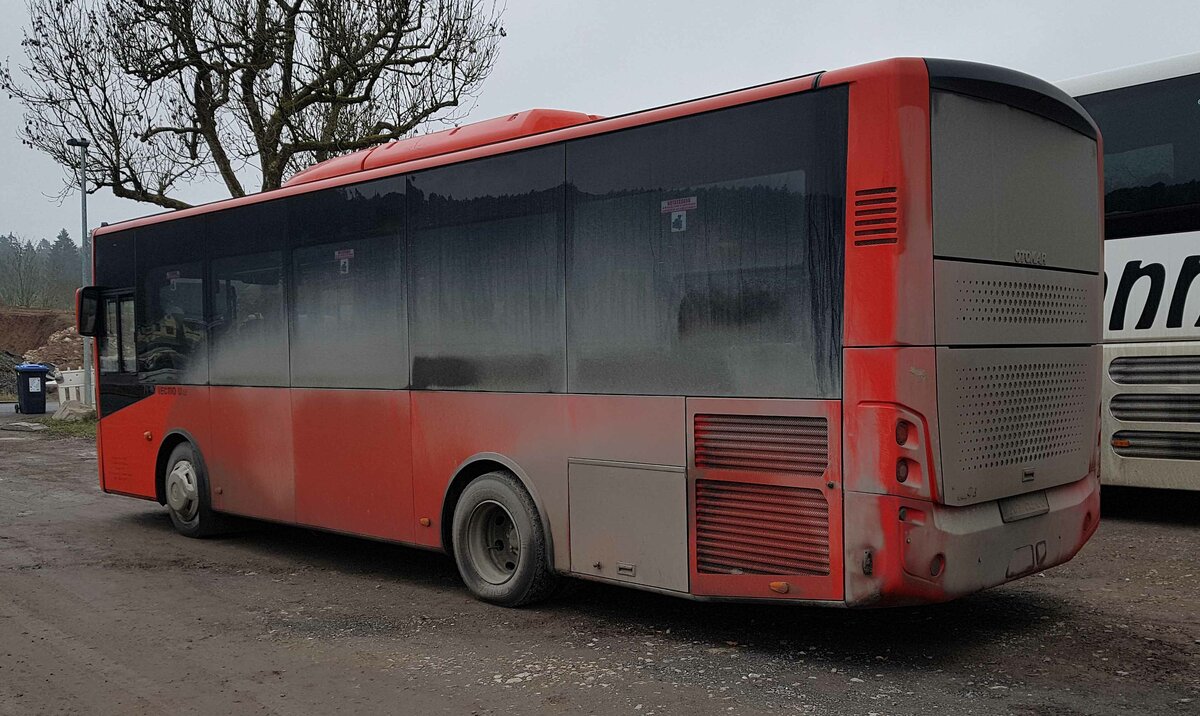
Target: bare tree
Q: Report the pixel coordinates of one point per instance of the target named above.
(171, 91)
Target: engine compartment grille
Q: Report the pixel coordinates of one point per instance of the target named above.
(744, 528)
(1155, 408)
(1015, 419)
(775, 443)
(1015, 413)
(1155, 370)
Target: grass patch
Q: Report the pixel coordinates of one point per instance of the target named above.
(69, 429)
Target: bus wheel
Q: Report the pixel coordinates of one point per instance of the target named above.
(499, 544)
(186, 489)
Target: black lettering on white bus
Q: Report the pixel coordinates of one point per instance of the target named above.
(1187, 274)
(1133, 272)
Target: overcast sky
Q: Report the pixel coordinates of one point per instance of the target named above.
(613, 56)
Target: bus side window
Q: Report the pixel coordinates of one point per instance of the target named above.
(109, 344)
(128, 351)
(116, 346)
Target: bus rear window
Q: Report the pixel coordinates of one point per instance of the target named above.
(1151, 156)
(1008, 184)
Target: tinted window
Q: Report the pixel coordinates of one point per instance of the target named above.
(485, 290)
(1151, 156)
(116, 348)
(249, 322)
(348, 319)
(108, 346)
(705, 253)
(114, 259)
(171, 331)
(127, 348)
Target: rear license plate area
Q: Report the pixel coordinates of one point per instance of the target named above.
(1021, 507)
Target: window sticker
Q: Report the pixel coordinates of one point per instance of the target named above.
(671, 206)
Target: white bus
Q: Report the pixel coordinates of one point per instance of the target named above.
(1149, 119)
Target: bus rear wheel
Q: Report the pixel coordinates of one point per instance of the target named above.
(499, 544)
(185, 487)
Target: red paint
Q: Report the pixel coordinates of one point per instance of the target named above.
(884, 386)
(447, 141)
(249, 456)
(889, 286)
(127, 459)
(801, 586)
(353, 461)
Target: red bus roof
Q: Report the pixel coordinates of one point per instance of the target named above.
(476, 134)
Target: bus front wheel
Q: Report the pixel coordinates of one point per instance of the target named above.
(499, 544)
(186, 488)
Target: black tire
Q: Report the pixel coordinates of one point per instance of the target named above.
(494, 574)
(190, 520)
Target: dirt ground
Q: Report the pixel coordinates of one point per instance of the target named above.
(104, 610)
(23, 329)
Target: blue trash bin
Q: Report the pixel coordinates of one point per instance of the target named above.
(31, 388)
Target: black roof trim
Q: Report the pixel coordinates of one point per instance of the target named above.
(1013, 88)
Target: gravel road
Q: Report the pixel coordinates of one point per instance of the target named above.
(103, 609)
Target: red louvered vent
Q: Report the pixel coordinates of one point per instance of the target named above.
(876, 216)
(744, 528)
(775, 443)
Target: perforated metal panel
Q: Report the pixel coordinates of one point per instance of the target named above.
(979, 303)
(1015, 419)
(746, 528)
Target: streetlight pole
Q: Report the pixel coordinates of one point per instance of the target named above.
(88, 397)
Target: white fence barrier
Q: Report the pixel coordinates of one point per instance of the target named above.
(70, 385)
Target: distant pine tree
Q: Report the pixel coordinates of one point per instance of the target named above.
(41, 275)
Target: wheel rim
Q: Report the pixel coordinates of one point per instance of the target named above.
(183, 494)
(493, 542)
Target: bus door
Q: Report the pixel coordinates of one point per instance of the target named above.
(127, 460)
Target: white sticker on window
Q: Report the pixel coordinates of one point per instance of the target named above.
(670, 206)
(678, 221)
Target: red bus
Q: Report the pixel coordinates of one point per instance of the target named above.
(831, 340)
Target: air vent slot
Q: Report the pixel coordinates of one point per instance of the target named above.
(876, 216)
(1159, 444)
(773, 443)
(1155, 408)
(1155, 370)
(744, 528)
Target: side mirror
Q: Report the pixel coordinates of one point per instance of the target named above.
(87, 311)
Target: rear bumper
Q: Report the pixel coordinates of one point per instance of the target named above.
(902, 551)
